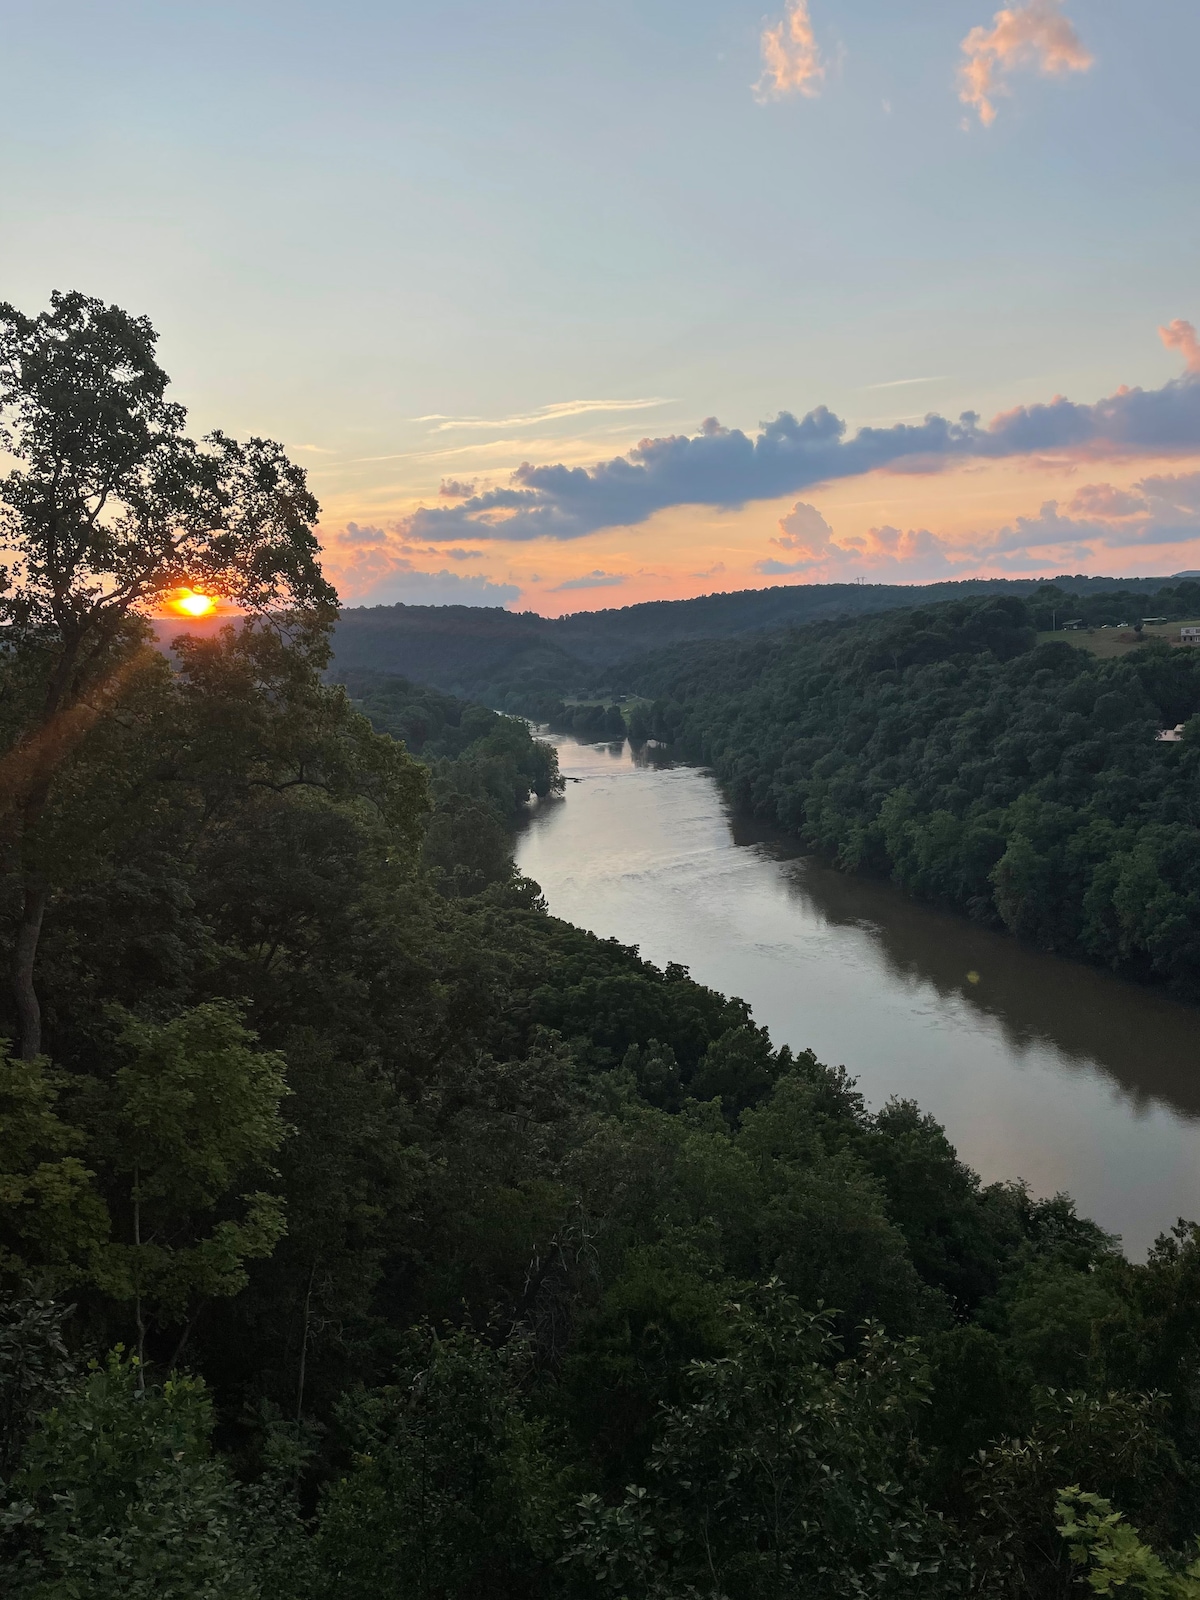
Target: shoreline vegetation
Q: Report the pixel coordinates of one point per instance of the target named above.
(987, 766)
(367, 1231)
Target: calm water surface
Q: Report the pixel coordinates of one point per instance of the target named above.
(1042, 1069)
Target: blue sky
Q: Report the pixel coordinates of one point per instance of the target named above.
(348, 219)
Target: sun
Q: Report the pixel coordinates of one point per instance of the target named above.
(195, 605)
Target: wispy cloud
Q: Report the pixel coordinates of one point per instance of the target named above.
(791, 60)
(550, 413)
(902, 383)
(591, 580)
(722, 466)
(1181, 336)
(1037, 35)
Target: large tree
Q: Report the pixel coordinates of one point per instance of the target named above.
(109, 508)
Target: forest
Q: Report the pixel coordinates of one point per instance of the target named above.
(1020, 782)
(365, 1231)
(522, 662)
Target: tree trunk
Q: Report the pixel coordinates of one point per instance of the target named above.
(29, 1012)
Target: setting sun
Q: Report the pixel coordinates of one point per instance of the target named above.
(195, 605)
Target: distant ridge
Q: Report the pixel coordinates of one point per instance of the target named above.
(484, 652)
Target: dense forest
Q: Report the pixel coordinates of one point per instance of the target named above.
(1023, 783)
(519, 661)
(366, 1231)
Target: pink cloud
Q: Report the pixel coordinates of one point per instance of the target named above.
(1035, 35)
(1157, 513)
(791, 60)
(1180, 335)
(804, 530)
(819, 552)
(1102, 500)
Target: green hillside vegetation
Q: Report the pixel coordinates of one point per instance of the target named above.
(365, 1231)
(1021, 782)
(523, 662)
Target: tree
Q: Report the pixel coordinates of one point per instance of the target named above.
(450, 1492)
(118, 1493)
(780, 1475)
(194, 1111)
(110, 508)
(1112, 1555)
(50, 1214)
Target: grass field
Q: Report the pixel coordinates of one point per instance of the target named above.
(1109, 642)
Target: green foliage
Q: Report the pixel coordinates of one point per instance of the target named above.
(51, 1217)
(1023, 785)
(484, 768)
(35, 1369)
(450, 1491)
(193, 1112)
(782, 1467)
(119, 1495)
(1114, 1558)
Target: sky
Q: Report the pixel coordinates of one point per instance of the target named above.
(565, 306)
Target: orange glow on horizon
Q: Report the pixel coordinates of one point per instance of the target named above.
(195, 605)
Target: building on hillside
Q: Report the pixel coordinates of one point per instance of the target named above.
(1189, 635)
(1171, 735)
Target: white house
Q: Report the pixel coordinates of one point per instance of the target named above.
(1189, 635)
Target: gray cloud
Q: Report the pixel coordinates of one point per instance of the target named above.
(591, 580)
(436, 589)
(727, 468)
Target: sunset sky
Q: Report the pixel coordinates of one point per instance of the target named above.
(569, 305)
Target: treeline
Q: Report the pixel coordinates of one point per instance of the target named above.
(1023, 784)
(483, 767)
(524, 663)
(1051, 605)
(365, 1231)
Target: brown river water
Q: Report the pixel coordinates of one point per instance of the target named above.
(1038, 1067)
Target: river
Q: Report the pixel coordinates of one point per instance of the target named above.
(1038, 1067)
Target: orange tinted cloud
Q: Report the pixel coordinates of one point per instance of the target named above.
(1181, 336)
(791, 60)
(1036, 35)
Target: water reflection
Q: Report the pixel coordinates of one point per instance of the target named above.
(1147, 1042)
(1041, 1068)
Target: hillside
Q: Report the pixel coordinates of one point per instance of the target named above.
(505, 658)
(1020, 782)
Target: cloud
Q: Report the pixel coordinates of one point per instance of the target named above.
(791, 61)
(1181, 336)
(1035, 35)
(1102, 500)
(591, 580)
(725, 467)
(371, 566)
(1155, 512)
(804, 530)
(902, 383)
(436, 589)
(819, 551)
(550, 413)
(352, 534)
(455, 489)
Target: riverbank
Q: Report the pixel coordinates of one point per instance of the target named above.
(1045, 1068)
